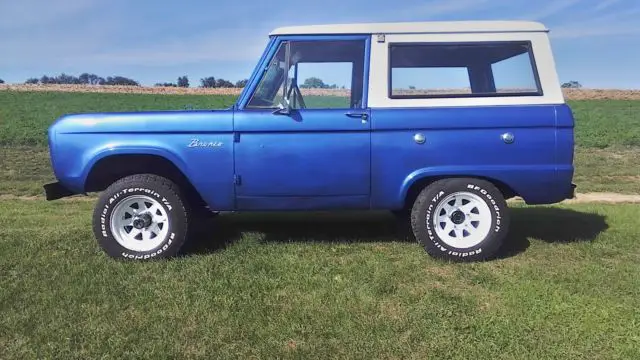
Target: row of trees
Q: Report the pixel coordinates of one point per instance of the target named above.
(183, 81)
(208, 82)
(83, 79)
(211, 82)
(93, 79)
(317, 83)
(572, 85)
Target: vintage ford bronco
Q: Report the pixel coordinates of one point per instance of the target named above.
(439, 121)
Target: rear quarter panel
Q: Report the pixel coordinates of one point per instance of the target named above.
(466, 141)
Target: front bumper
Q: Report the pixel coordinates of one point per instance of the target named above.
(55, 191)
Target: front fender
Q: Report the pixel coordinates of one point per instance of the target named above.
(209, 169)
(73, 160)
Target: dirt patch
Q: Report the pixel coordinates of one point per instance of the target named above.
(79, 198)
(601, 94)
(570, 94)
(606, 198)
(612, 198)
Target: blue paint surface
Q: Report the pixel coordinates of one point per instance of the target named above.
(324, 159)
(467, 142)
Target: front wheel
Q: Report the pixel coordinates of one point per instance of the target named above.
(141, 217)
(461, 219)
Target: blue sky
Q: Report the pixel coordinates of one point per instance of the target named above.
(595, 42)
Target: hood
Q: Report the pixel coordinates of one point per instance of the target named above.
(145, 122)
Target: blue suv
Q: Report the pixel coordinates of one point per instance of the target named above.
(439, 122)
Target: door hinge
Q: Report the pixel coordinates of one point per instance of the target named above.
(237, 180)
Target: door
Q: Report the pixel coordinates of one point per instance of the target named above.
(305, 143)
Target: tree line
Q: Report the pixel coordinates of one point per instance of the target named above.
(183, 81)
(208, 82)
(572, 85)
(83, 79)
(93, 79)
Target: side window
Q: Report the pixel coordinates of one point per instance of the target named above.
(322, 75)
(462, 70)
(326, 85)
(514, 75)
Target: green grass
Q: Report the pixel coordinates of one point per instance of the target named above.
(605, 123)
(317, 285)
(607, 135)
(25, 169)
(614, 169)
(320, 286)
(25, 116)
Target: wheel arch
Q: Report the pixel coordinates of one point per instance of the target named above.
(414, 187)
(108, 168)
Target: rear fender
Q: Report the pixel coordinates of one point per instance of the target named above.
(523, 181)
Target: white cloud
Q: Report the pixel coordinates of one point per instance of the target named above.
(597, 21)
(53, 46)
(105, 40)
(22, 14)
(551, 9)
(581, 31)
(69, 34)
(434, 9)
(221, 45)
(605, 4)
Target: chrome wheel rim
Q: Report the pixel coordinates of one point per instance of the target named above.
(462, 220)
(139, 223)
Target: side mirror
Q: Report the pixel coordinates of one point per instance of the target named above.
(283, 109)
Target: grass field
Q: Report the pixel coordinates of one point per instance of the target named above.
(25, 169)
(25, 116)
(321, 286)
(317, 285)
(607, 135)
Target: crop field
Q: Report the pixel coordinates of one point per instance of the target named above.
(317, 285)
(571, 94)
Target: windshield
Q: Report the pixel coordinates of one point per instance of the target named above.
(268, 94)
(338, 62)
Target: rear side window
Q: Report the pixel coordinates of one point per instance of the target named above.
(462, 70)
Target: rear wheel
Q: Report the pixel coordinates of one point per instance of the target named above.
(141, 217)
(462, 219)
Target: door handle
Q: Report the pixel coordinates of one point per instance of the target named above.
(359, 115)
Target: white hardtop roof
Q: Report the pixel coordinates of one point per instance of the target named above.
(415, 28)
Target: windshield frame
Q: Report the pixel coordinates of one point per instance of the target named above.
(274, 46)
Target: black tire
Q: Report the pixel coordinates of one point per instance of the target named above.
(167, 195)
(402, 222)
(433, 196)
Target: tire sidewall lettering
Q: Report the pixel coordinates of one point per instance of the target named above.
(493, 206)
(462, 253)
(105, 215)
(153, 254)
